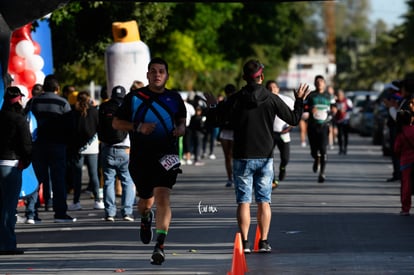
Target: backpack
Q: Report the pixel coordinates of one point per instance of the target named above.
(106, 133)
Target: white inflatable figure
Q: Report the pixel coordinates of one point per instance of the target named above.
(127, 59)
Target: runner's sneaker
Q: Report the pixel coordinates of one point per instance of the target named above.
(158, 255)
(246, 247)
(264, 247)
(321, 178)
(146, 230)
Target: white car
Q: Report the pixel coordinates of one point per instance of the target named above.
(362, 119)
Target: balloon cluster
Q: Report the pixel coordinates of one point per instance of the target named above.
(25, 63)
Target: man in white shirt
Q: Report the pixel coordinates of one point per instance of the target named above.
(281, 135)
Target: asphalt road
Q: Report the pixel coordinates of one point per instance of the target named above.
(347, 225)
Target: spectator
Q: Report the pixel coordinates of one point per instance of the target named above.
(226, 137)
(84, 149)
(37, 89)
(32, 202)
(407, 91)
(198, 130)
(55, 126)
(115, 158)
(404, 150)
(15, 155)
(187, 142)
(103, 94)
(136, 85)
(209, 139)
(69, 93)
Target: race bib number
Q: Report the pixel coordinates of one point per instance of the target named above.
(320, 113)
(169, 161)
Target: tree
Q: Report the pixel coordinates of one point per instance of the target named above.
(79, 43)
(389, 58)
(353, 38)
(206, 44)
(190, 42)
(225, 35)
(408, 25)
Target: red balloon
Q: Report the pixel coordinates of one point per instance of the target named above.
(14, 41)
(23, 33)
(12, 51)
(27, 78)
(16, 64)
(36, 47)
(17, 79)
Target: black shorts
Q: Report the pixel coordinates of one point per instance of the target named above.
(147, 173)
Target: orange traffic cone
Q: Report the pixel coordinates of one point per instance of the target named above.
(239, 265)
(41, 198)
(257, 239)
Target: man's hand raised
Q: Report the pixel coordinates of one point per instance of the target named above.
(302, 92)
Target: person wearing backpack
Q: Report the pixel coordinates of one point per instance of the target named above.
(84, 149)
(115, 158)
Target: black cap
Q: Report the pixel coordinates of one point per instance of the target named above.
(118, 92)
(12, 94)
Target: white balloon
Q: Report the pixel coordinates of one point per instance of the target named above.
(34, 62)
(25, 48)
(40, 77)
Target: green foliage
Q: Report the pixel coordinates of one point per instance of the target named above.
(408, 29)
(79, 39)
(360, 64)
(226, 35)
(205, 44)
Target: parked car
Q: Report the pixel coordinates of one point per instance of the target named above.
(362, 118)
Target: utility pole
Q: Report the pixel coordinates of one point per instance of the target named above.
(329, 21)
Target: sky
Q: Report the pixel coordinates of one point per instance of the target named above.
(388, 10)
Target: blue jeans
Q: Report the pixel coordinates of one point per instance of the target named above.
(10, 185)
(91, 161)
(32, 204)
(253, 173)
(115, 163)
(49, 164)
